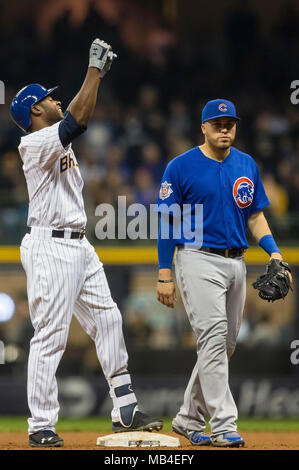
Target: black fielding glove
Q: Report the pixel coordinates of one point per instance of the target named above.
(275, 283)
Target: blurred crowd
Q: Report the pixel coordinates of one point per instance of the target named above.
(125, 151)
(149, 109)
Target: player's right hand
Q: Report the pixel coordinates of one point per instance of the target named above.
(110, 58)
(166, 293)
(101, 56)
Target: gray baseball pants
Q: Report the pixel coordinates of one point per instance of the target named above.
(213, 290)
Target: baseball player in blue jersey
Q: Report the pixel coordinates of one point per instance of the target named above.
(64, 273)
(210, 269)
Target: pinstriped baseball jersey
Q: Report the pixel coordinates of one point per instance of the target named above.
(64, 277)
(54, 181)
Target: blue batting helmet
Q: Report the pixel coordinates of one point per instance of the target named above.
(24, 100)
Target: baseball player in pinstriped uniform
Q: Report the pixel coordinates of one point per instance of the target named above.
(64, 274)
(211, 274)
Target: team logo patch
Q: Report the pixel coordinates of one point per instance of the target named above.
(222, 107)
(165, 190)
(243, 191)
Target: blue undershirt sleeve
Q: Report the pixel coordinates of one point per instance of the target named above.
(68, 129)
(166, 247)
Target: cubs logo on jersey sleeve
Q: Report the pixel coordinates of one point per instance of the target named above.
(165, 190)
(243, 191)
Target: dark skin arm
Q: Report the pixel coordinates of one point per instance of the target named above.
(82, 106)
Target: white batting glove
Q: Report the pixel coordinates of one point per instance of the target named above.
(110, 58)
(98, 54)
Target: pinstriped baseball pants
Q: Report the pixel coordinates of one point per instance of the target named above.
(65, 277)
(213, 290)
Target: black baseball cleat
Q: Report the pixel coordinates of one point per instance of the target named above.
(140, 422)
(45, 438)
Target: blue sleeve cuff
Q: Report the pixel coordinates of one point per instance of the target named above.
(69, 129)
(268, 244)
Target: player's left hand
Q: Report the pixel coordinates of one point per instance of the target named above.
(275, 283)
(278, 256)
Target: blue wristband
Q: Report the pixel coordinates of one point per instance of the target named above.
(268, 244)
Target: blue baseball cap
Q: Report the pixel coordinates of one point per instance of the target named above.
(218, 108)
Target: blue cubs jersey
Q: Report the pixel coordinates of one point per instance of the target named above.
(229, 192)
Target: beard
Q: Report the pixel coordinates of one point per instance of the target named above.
(224, 145)
(52, 114)
(53, 117)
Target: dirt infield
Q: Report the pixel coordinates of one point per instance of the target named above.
(87, 441)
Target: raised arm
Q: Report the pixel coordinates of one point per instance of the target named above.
(82, 106)
(100, 60)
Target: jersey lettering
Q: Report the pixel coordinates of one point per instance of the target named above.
(55, 194)
(68, 161)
